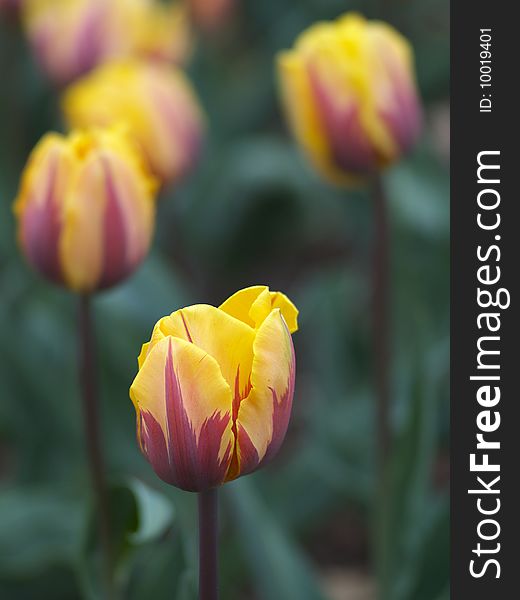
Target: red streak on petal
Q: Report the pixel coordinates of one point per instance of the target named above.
(235, 468)
(188, 334)
(249, 459)
(282, 411)
(181, 122)
(194, 465)
(115, 265)
(153, 446)
(402, 115)
(404, 119)
(41, 228)
(89, 41)
(350, 146)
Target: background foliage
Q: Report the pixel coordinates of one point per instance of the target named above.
(304, 528)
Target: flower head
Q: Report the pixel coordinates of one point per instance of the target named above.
(214, 391)
(71, 37)
(86, 209)
(155, 101)
(349, 92)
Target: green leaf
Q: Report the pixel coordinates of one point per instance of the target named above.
(279, 570)
(160, 572)
(139, 516)
(155, 513)
(39, 528)
(409, 515)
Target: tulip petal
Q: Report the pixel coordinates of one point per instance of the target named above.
(184, 415)
(239, 304)
(128, 220)
(351, 148)
(224, 338)
(263, 416)
(302, 113)
(175, 128)
(143, 354)
(81, 243)
(287, 308)
(394, 86)
(115, 242)
(267, 301)
(38, 205)
(253, 304)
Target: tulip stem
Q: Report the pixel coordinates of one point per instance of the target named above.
(208, 545)
(380, 324)
(89, 385)
(381, 354)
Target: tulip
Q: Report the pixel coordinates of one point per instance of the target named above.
(85, 209)
(349, 91)
(71, 37)
(214, 390)
(155, 101)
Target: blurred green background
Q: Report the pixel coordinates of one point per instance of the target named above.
(305, 527)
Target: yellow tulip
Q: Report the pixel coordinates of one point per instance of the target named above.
(349, 91)
(155, 101)
(70, 37)
(214, 391)
(86, 209)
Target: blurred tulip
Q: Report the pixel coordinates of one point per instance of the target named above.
(155, 101)
(214, 391)
(85, 209)
(211, 15)
(349, 92)
(71, 37)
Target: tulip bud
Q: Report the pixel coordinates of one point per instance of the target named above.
(155, 101)
(214, 391)
(85, 209)
(349, 91)
(71, 37)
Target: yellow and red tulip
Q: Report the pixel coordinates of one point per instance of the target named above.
(86, 209)
(349, 91)
(214, 391)
(155, 101)
(70, 37)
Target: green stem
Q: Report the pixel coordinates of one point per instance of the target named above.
(208, 545)
(89, 385)
(380, 319)
(381, 354)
